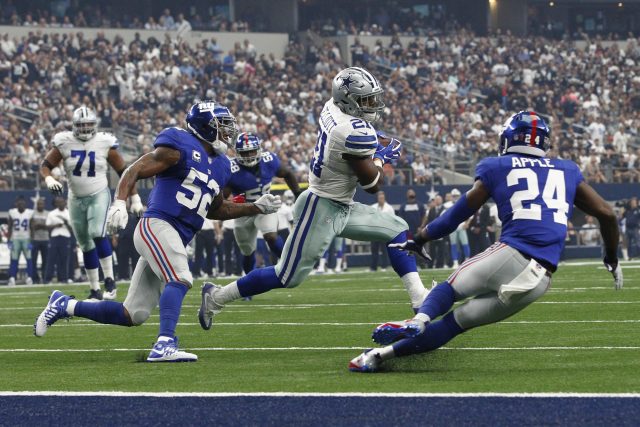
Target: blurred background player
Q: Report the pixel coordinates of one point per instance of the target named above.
(252, 171)
(191, 169)
(458, 239)
(19, 239)
(378, 247)
(86, 153)
(535, 197)
(347, 154)
(58, 224)
(39, 240)
(285, 215)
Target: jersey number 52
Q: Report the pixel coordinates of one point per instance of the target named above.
(197, 199)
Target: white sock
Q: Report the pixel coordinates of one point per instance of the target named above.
(625, 254)
(422, 318)
(163, 338)
(385, 353)
(339, 264)
(107, 266)
(415, 288)
(71, 307)
(322, 263)
(93, 276)
(228, 293)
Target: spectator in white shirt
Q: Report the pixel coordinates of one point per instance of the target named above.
(59, 243)
(377, 247)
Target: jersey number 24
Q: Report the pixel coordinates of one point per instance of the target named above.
(554, 195)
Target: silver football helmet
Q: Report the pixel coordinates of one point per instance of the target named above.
(85, 123)
(358, 93)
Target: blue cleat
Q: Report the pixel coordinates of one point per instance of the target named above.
(390, 332)
(167, 351)
(208, 305)
(366, 362)
(55, 310)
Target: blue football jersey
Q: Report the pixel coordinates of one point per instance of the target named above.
(254, 181)
(182, 194)
(534, 198)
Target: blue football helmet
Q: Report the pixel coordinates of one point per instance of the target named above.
(213, 123)
(248, 148)
(526, 133)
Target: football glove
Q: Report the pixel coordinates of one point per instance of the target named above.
(389, 153)
(412, 247)
(136, 205)
(117, 216)
(613, 267)
(53, 185)
(268, 203)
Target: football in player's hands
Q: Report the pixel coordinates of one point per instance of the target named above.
(383, 138)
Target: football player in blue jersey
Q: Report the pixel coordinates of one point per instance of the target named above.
(251, 174)
(535, 196)
(190, 169)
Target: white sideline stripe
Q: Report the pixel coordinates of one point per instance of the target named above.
(561, 395)
(96, 350)
(89, 323)
(292, 306)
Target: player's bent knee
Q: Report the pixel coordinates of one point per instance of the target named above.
(138, 317)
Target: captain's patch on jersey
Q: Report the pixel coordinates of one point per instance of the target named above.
(195, 155)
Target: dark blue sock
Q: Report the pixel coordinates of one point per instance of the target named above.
(467, 251)
(13, 268)
(29, 268)
(401, 261)
(435, 336)
(258, 282)
(109, 312)
(454, 252)
(439, 301)
(249, 263)
(170, 305)
(103, 246)
(276, 246)
(91, 260)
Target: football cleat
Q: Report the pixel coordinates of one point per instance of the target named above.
(110, 291)
(28, 281)
(11, 282)
(391, 332)
(55, 310)
(94, 295)
(209, 307)
(167, 351)
(368, 361)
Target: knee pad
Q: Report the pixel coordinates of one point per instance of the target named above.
(138, 317)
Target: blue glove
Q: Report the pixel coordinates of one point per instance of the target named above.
(389, 153)
(413, 247)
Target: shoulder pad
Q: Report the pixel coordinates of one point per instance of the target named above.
(359, 141)
(171, 137)
(110, 139)
(61, 138)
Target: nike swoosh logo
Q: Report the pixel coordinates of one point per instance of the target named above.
(362, 133)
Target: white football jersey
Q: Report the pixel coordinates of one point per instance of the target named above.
(85, 161)
(20, 223)
(330, 176)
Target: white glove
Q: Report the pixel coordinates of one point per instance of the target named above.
(53, 185)
(268, 203)
(136, 205)
(117, 217)
(614, 268)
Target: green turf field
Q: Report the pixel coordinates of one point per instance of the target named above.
(581, 337)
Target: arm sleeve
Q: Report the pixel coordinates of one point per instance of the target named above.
(450, 219)
(483, 173)
(275, 162)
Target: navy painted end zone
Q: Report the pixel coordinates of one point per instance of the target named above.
(310, 411)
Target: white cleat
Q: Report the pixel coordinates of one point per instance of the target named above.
(368, 361)
(167, 351)
(29, 281)
(11, 282)
(209, 307)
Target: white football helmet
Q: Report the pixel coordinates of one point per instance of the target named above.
(358, 93)
(85, 123)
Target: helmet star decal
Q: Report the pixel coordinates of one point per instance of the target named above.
(346, 82)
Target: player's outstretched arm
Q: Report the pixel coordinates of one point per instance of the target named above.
(592, 204)
(290, 179)
(223, 209)
(462, 210)
(117, 163)
(51, 160)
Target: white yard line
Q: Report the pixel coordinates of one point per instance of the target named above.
(560, 395)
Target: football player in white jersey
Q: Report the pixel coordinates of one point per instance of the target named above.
(86, 154)
(347, 154)
(19, 238)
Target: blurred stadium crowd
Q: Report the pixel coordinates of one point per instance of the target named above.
(447, 96)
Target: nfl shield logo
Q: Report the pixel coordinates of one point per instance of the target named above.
(195, 155)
